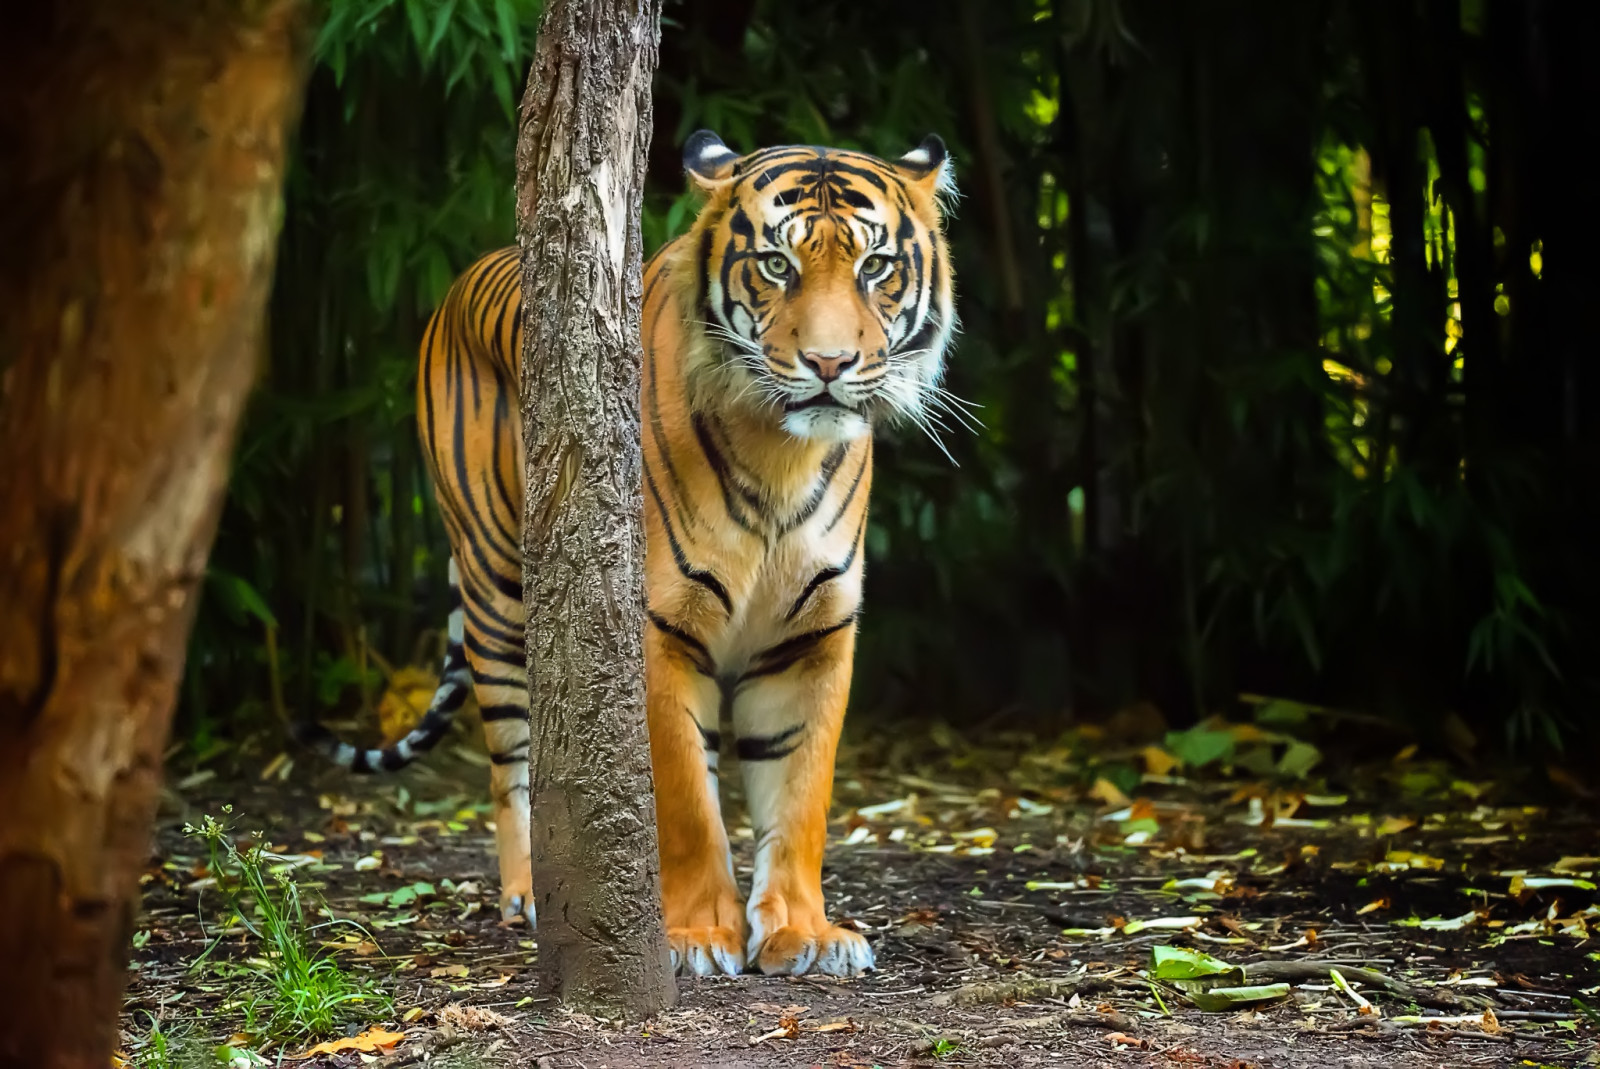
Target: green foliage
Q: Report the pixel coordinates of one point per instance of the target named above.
(1269, 309)
(330, 559)
(156, 1049)
(305, 992)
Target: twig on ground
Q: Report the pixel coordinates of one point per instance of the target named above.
(1299, 971)
(1073, 1018)
(1027, 987)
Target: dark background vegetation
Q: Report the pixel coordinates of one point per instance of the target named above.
(1277, 313)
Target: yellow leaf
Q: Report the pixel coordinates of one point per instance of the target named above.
(1108, 793)
(274, 766)
(1394, 825)
(1396, 860)
(405, 701)
(373, 1039)
(1157, 761)
(1247, 733)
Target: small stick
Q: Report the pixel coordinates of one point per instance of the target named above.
(1300, 971)
(1344, 985)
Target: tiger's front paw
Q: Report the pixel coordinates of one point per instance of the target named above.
(517, 901)
(706, 951)
(792, 951)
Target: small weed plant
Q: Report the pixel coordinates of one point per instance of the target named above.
(156, 1051)
(300, 991)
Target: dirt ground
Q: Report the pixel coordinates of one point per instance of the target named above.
(1012, 893)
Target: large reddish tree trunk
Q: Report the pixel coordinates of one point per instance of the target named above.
(140, 197)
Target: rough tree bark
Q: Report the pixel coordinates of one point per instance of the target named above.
(580, 166)
(140, 187)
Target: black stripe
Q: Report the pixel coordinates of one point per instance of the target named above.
(769, 175)
(830, 468)
(699, 656)
(872, 177)
(497, 437)
(463, 491)
(851, 495)
(491, 713)
(428, 354)
(725, 477)
(705, 579)
(483, 620)
(658, 431)
(506, 308)
(498, 681)
(827, 574)
(493, 656)
(703, 265)
(770, 747)
(452, 701)
(779, 658)
(710, 738)
(462, 529)
(512, 757)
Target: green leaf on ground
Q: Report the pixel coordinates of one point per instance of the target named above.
(1200, 746)
(1221, 999)
(398, 899)
(1178, 963)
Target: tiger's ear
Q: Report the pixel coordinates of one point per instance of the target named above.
(708, 161)
(929, 165)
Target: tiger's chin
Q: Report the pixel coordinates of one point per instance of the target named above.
(827, 423)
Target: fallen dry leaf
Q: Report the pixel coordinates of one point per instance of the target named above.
(374, 1039)
(1108, 793)
(1394, 826)
(788, 1028)
(1157, 762)
(406, 701)
(472, 1018)
(846, 1025)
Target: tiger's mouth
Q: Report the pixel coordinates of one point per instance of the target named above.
(824, 399)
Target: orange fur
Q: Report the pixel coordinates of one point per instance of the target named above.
(761, 382)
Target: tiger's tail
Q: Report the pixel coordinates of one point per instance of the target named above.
(455, 683)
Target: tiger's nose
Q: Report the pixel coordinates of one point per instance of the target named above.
(830, 367)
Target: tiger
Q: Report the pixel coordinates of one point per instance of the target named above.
(811, 300)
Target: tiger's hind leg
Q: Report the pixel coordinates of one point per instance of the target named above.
(500, 678)
(700, 901)
(788, 724)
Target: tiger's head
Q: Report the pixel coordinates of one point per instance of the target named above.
(824, 283)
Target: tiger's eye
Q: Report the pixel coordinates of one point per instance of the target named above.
(776, 264)
(873, 266)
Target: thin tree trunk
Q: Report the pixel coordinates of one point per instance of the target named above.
(139, 210)
(580, 167)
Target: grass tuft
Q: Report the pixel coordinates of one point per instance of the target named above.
(300, 992)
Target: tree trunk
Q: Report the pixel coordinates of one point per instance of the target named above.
(139, 209)
(580, 166)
